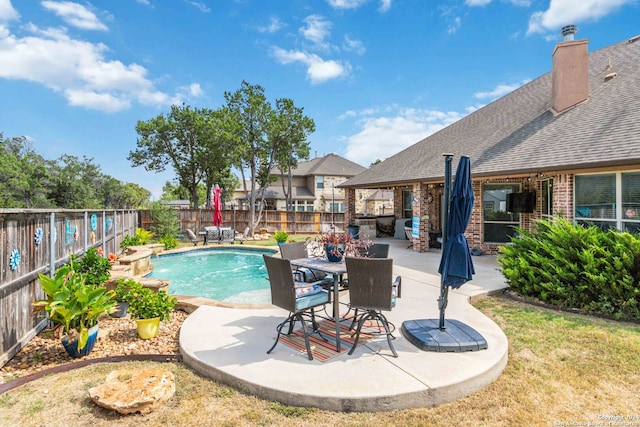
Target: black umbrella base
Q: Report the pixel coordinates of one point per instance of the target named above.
(455, 338)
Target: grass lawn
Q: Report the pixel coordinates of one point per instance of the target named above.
(563, 368)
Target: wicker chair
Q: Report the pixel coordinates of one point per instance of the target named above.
(372, 290)
(376, 250)
(285, 294)
(298, 250)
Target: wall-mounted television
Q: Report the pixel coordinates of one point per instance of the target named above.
(524, 202)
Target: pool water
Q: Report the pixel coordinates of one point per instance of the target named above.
(230, 275)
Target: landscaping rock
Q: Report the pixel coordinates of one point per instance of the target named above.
(127, 391)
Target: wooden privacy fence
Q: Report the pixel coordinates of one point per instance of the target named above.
(37, 241)
(291, 222)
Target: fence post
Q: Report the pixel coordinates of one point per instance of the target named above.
(52, 243)
(86, 230)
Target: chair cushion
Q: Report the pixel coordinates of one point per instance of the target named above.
(308, 275)
(311, 300)
(303, 288)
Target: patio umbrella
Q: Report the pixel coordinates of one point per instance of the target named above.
(216, 205)
(456, 266)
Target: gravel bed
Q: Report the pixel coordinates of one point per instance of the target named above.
(117, 337)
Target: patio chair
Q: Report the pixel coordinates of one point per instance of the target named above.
(409, 233)
(300, 299)
(376, 250)
(213, 234)
(192, 236)
(298, 250)
(371, 291)
(227, 235)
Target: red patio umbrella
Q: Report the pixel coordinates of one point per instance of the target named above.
(216, 204)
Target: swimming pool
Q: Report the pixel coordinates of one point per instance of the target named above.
(225, 274)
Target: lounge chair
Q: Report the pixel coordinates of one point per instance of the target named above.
(371, 291)
(300, 299)
(192, 236)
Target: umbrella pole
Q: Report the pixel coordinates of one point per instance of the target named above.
(444, 289)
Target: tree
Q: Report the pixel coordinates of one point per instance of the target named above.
(246, 126)
(288, 133)
(184, 140)
(75, 183)
(23, 174)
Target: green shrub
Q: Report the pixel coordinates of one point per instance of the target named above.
(145, 303)
(168, 241)
(144, 235)
(572, 266)
(281, 236)
(93, 266)
(128, 241)
(165, 220)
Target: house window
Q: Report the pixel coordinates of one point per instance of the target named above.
(610, 200)
(407, 204)
(547, 198)
(319, 181)
(499, 225)
(336, 207)
(303, 206)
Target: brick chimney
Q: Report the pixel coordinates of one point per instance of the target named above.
(570, 74)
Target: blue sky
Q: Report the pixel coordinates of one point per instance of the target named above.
(375, 75)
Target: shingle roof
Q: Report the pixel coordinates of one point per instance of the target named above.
(519, 134)
(331, 165)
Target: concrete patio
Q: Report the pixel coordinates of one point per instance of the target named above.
(230, 344)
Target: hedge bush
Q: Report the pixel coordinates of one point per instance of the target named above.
(572, 266)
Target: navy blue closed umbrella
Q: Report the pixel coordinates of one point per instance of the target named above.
(456, 266)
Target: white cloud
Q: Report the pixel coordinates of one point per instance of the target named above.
(564, 12)
(195, 89)
(346, 4)
(352, 45)
(499, 91)
(385, 5)
(383, 136)
(75, 15)
(477, 2)
(274, 25)
(201, 6)
(318, 69)
(454, 26)
(7, 12)
(317, 29)
(78, 70)
(145, 2)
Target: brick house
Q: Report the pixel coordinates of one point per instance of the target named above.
(315, 186)
(566, 143)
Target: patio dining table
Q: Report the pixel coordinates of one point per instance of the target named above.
(336, 269)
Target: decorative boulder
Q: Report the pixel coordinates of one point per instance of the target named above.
(134, 390)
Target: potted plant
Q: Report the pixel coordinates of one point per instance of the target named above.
(75, 306)
(124, 288)
(149, 307)
(281, 237)
(337, 245)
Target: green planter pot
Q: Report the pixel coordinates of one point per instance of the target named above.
(148, 328)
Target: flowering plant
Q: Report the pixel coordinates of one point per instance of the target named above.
(341, 244)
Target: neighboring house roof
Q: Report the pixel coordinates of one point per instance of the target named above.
(331, 165)
(275, 192)
(518, 133)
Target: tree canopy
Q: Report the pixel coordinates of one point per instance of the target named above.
(28, 180)
(187, 140)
